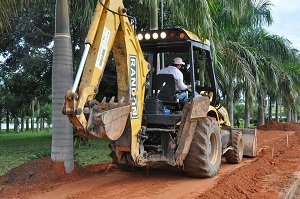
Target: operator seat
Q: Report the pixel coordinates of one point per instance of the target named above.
(166, 91)
(165, 87)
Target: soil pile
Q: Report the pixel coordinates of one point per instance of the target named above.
(46, 171)
(38, 171)
(280, 126)
(269, 175)
(43, 174)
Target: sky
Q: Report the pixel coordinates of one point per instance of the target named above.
(286, 20)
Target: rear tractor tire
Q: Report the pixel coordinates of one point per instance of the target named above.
(204, 157)
(235, 155)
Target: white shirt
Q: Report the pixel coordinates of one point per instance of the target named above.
(178, 76)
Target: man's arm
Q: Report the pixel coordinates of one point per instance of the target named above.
(181, 84)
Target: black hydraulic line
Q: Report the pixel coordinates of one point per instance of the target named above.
(130, 17)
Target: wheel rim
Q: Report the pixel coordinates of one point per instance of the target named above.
(240, 148)
(213, 148)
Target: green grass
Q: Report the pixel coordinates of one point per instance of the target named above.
(15, 148)
(95, 152)
(242, 124)
(18, 148)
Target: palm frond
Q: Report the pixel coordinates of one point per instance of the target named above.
(9, 10)
(262, 13)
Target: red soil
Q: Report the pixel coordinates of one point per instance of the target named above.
(280, 126)
(267, 176)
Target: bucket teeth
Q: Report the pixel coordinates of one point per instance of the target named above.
(108, 119)
(121, 102)
(111, 103)
(105, 106)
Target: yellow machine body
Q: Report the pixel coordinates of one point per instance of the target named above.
(139, 131)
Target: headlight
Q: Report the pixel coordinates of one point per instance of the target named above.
(147, 36)
(140, 37)
(163, 35)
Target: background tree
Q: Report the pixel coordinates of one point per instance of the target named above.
(26, 71)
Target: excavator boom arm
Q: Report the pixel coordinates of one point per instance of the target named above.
(110, 30)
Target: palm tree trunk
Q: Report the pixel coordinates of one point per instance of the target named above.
(27, 124)
(16, 124)
(154, 15)
(294, 118)
(247, 111)
(270, 109)
(261, 112)
(62, 78)
(22, 120)
(277, 110)
(230, 109)
(32, 117)
(7, 120)
(37, 125)
(288, 114)
(280, 110)
(41, 124)
(154, 24)
(38, 116)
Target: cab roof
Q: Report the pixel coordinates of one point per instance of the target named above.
(171, 40)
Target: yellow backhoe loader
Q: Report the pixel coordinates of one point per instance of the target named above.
(145, 124)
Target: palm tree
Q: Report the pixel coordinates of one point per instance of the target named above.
(273, 54)
(200, 23)
(237, 65)
(289, 83)
(255, 46)
(256, 17)
(237, 62)
(62, 78)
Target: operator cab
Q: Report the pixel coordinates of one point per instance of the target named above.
(160, 47)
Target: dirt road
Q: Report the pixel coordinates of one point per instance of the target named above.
(156, 183)
(270, 175)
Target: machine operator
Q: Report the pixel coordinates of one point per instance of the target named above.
(178, 76)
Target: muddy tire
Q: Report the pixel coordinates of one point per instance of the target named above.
(235, 155)
(204, 157)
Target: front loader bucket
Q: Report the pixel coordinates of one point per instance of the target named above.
(250, 142)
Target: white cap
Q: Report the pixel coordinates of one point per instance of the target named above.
(178, 60)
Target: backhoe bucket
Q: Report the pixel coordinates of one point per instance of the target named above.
(250, 142)
(109, 123)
